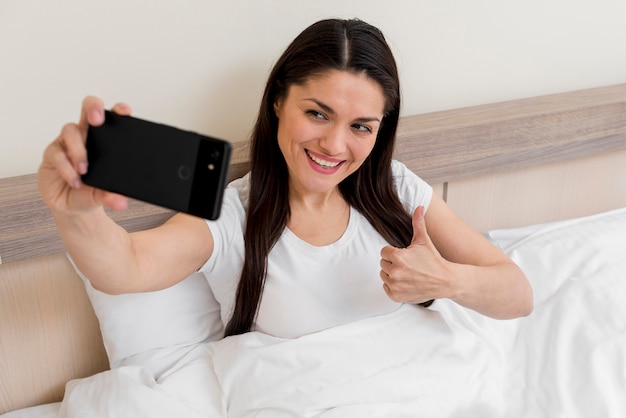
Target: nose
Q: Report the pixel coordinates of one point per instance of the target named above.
(334, 141)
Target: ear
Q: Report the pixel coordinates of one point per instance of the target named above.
(278, 104)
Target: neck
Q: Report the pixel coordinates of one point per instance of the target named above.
(315, 201)
(318, 218)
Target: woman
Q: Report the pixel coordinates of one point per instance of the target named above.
(325, 229)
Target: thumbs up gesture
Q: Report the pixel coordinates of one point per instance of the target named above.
(417, 273)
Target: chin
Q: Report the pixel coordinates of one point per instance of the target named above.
(314, 184)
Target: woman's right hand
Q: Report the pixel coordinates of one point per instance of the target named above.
(65, 160)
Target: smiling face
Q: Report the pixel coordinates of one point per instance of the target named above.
(327, 127)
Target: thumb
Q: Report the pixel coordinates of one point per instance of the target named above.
(420, 235)
(111, 200)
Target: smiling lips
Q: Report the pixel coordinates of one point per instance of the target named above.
(328, 165)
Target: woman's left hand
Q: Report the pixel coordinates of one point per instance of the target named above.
(417, 273)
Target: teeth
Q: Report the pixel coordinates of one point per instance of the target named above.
(323, 163)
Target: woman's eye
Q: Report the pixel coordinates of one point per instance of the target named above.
(316, 115)
(362, 128)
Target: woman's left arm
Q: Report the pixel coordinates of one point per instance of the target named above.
(449, 259)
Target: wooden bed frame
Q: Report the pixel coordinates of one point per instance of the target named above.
(498, 166)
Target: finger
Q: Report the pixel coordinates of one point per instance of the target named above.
(92, 113)
(56, 159)
(386, 267)
(111, 200)
(387, 290)
(72, 144)
(391, 294)
(384, 276)
(420, 234)
(386, 253)
(122, 109)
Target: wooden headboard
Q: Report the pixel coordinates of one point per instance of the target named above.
(478, 158)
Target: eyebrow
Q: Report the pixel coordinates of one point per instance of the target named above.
(330, 110)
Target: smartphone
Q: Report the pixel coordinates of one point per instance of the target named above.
(159, 164)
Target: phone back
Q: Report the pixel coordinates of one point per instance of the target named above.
(159, 164)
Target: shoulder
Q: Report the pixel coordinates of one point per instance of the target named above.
(239, 189)
(401, 171)
(228, 229)
(234, 202)
(411, 189)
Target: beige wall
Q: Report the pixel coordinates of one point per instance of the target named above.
(201, 64)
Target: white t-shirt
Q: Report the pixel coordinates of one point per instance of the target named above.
(308, 288)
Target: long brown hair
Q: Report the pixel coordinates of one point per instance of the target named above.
(334, 44)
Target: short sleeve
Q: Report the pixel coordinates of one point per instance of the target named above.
(411, 189)
(223, 269)
(228, 229)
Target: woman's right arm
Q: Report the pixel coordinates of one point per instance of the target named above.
(114, 260)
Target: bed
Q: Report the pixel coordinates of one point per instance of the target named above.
(544, 178)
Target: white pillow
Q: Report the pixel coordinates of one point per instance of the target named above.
(156, 329)
(572, 349)
(507, 238)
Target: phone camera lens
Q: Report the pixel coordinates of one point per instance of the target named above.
(184, 172)
(215, 155)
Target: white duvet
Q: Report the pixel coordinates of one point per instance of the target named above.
(568, 359)
(392, 365)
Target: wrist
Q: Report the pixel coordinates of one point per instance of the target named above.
(458, 281)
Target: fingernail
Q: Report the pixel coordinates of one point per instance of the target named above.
(95, 117)
(82, 168)
(76, 184)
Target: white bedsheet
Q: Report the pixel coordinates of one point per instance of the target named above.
(568, 359)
